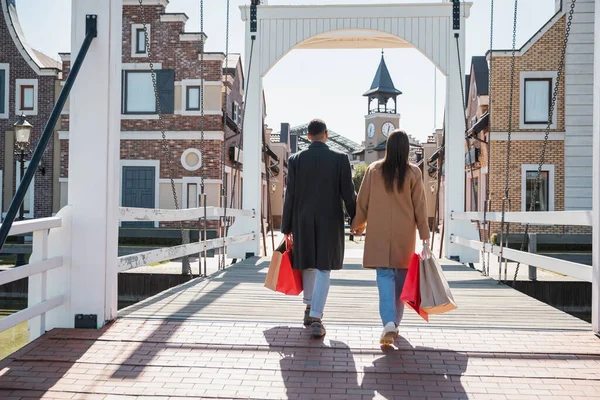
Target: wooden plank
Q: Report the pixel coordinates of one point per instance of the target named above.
(237, 294)
(39, 224)
(30, 312)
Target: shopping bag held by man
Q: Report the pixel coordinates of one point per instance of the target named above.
(273, 273)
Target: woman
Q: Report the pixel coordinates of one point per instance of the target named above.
(391, 201)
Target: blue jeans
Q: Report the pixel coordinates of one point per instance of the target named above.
(315, 284)
(389, 283)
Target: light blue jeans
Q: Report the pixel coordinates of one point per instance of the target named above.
(389, 283)
(315, 284)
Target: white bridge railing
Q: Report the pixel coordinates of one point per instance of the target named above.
(39, 264)
(578, 218)
(170, 253)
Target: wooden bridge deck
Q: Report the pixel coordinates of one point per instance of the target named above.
(226, 337)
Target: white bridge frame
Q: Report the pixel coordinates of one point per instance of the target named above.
(425, 27)
(74, 265)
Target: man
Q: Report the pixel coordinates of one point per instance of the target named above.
(318, 180)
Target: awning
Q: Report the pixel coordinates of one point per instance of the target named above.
(436, 154)
(479, 125)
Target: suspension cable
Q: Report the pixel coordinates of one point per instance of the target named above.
(487, 203)
(186, 268)
(559, 75)
(506, 197)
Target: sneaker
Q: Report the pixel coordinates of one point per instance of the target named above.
(308, 320)
(318, 330)
(389, 335)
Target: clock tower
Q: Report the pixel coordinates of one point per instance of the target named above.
(382, 117)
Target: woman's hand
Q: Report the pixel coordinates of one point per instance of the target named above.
(357, 230)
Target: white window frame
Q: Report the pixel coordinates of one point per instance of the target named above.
(184, 83)
(26, 82)
(188, 167)
(134, 29)
(141, 163)
(125, 91)
(31, 188)
(536, 75)
(550, 168)
(6, 68)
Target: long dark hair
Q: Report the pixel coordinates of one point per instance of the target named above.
(395, 162)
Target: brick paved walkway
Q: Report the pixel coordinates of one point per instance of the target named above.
(228, 338)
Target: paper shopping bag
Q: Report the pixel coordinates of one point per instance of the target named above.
(273, 273)
(436, 297)
(411, 294)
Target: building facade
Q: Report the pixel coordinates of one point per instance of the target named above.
(146, 169)
(568, 152)
(29, 84)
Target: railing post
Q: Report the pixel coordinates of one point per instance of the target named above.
(93, 191)
(37, 285)
(532, 248)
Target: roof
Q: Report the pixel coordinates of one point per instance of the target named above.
(40, 63)
(382, 83)
(335, 141)
(231, 61)
(479, 68)
(46, 61)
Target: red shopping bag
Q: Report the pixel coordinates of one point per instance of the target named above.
(289, 280)
(411, 291)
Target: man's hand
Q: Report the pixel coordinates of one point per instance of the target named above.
(357, 230)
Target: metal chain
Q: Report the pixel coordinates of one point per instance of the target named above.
(506, 197)
(486, 226)
(559, 74)
(224, 147)
(186, 269)
(202, 143)
(462, 90)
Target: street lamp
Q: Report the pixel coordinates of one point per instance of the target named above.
(22, 130)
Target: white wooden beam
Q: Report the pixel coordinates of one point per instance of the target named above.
(171, 253)
(596, 180)
(575, 270)
(578, 218)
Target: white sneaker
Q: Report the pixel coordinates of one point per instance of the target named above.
(389, 335)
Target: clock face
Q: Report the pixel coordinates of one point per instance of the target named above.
(371, 130)
(387, 128)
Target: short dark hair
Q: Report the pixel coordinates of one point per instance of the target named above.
(316, 127)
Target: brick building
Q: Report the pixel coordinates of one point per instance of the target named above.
(536, 66)
(29, 84)
(144, 165)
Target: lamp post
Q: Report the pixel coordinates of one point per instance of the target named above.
(22, 129)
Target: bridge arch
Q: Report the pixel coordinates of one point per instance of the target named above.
(273, 31)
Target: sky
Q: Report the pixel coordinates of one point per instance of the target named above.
(325, 84)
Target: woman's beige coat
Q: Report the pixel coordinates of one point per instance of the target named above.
(391, 218)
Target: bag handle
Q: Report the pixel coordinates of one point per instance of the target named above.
(289, 241)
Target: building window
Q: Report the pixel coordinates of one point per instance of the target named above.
(234, 112)
(192, 195)
(192, 102)
(544, 199)
(28, 200)
(191, 159)
(541, 198)
(474, 194)
(138, 40)
(26, 96)
(537, 99)
(140, 45)
(139, 93)
(4, 90)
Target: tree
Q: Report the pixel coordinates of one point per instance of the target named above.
(359, 174)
